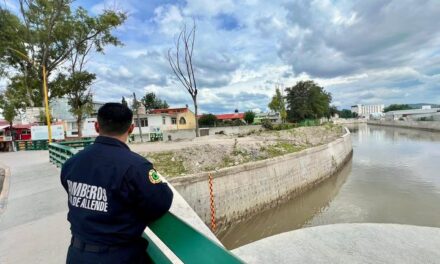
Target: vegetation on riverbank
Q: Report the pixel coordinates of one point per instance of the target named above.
(235, 151)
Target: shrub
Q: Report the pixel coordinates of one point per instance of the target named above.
(207, 120)
(270, 126)
(267, 124)
(310, 122)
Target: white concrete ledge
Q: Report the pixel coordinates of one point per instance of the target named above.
(348, 243)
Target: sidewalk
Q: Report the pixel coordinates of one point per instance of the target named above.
(33, 228)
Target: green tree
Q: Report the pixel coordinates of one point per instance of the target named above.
(10, 104)
(21, 73)
(396, 107)
(150, 102)
(76, 87)
(9, 111)
(207, 120)
(249, 117)
(346, 113)
(332, 111)
(307, 100)
(278, 105)
(12, 100)
(124, 102)
(47, 33)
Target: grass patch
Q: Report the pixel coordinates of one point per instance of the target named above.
(226, 161)
(282, 148)
(166, 164)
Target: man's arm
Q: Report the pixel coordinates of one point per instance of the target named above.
(152, 196)
(63, 178)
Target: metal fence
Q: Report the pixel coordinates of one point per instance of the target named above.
(61, 151)
(21, 145)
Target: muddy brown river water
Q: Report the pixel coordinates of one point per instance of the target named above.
(394, 177)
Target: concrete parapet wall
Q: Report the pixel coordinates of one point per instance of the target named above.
(242, 190)
(182, 134)
(234, 129)
(425, 125)
(188, 134)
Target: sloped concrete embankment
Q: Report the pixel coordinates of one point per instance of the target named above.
(346, 244)
(4, 186)
(423, 125)
(249, 188)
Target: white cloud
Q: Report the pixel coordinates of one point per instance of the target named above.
(361, 51)
(169, 18)
(208, 7)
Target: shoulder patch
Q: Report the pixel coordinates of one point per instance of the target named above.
(154, 177)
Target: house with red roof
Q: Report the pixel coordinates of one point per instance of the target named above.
(166, 119)
(230, 117)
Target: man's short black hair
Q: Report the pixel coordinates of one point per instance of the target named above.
(114, 118)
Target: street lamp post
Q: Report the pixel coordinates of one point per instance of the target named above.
(46, 97)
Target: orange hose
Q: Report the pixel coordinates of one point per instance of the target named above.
(211, 197)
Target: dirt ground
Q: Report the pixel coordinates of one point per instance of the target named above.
(220, 151)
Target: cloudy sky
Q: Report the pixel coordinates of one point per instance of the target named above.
(369, 52)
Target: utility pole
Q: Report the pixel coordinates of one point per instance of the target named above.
(136, 106)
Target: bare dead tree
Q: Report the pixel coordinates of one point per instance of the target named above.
(181, 62)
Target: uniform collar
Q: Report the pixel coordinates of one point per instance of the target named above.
(110, 141)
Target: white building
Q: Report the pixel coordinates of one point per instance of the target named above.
(155, 123)
(60, 110)
(414, 114)
(29, 115)
(160, 120)
(366, 110)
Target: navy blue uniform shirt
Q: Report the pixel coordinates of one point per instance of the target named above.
(111, 196)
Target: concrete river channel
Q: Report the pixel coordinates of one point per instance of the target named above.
(394, 177)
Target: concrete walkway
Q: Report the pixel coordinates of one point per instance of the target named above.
(348, 243)
(33, 228)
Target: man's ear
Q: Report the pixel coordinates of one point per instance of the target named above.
(97, 127)
(130, 129)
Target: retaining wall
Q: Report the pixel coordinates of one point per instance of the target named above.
(234, 129)
(425, 125)
(246, 189)
(182, 134)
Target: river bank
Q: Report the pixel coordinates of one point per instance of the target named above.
(212, 153)
(244, 190)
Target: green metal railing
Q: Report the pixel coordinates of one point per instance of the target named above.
(186, 243)
(31, 145)
(61, 151)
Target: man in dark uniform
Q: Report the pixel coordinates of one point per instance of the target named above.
(113, 194)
